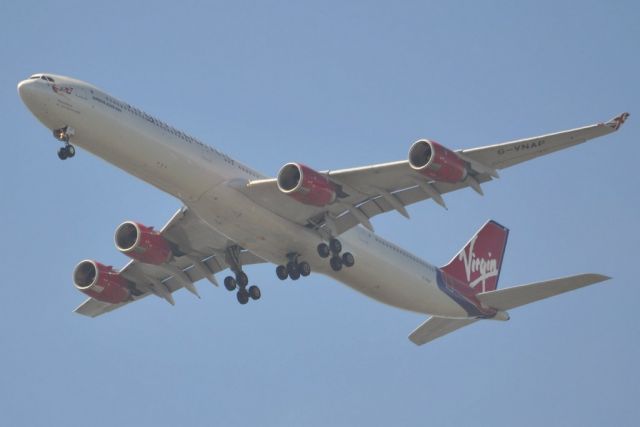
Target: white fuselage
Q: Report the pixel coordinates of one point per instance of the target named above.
(207, 181)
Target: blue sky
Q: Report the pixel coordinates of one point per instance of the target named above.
(331, 84)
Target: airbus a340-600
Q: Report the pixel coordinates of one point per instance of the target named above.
(302, 220)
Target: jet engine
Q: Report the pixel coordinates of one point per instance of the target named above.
(101, 282)
(306, 185)
(437, 162)
(142, 243)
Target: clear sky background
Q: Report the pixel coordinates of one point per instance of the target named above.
(331, 84)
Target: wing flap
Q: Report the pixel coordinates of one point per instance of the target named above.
(377, 205)
(435, 327)
(506, 299)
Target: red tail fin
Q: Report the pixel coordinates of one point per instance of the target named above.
(478, 263)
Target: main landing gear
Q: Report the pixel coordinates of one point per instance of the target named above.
(333, 250)
(64, 134)
(244, 293)
(240, 280)
(294, 268)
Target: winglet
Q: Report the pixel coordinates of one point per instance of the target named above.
(618, 121)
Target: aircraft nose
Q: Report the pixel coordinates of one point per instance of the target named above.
(35, 97)
(26, 91)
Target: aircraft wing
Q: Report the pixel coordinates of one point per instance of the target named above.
(508, 154)
(369, 191)
(365, 192)
(201, 253)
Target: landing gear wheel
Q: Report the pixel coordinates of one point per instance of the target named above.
(335, 246)
(323, 250)
(242, 279)
(336, 263)
(292, 269)
(348, 260)
(295, 274)
(254, 292)
(281, 272)
(229, 283)
(304, 268)
(62, 153)
(71, 151)
(243, 296)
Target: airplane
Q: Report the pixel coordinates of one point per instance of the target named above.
(301, 220)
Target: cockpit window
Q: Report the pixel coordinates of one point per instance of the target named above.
(42, 77)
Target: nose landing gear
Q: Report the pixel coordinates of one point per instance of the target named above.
(66, 152)
(64, 134)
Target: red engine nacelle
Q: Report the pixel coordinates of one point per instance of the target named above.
(437, 162)
(101, 282)
(142, 243)
(306, 185)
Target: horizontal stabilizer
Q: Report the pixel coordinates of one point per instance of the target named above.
(506, 299)
(435, 327)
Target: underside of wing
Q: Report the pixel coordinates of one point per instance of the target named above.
(336, 201)
(198, 252)
(500, 156)
(364, 193)
(93, 308)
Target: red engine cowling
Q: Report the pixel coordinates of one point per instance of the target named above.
(100, 282)
(437, 162)
(142, 243)
(306, 185)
